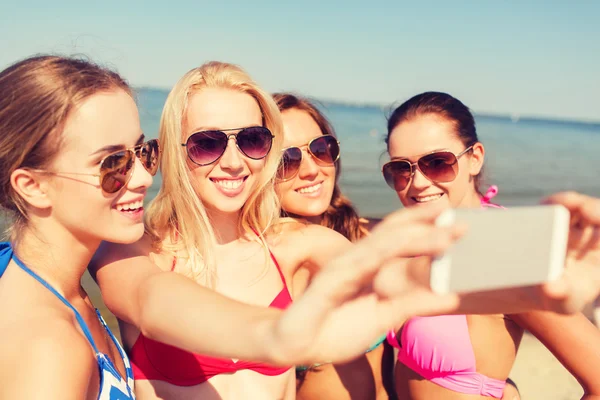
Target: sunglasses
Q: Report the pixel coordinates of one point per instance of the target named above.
(116, 168)
(324, 149)
(438, 167)
(206, 147)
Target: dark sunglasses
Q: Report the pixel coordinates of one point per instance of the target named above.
(324, 149)
(116, 168)
(438, 167)
(206, 147)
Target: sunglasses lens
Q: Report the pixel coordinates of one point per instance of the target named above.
(397, 174)
(290, 163)
(116, 170)
(206, 147)
(325, 149)
(439, 167)
(149, 155)
(255, 142)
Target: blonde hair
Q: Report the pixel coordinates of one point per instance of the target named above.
(177, 212)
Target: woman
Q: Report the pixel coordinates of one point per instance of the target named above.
(75, 170)
(221, 137)
(74, 173)
(221, 140)
(308, 188)
(437, 158)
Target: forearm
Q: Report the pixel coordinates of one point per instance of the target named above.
(177, 311)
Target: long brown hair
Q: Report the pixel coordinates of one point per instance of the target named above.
(341, 215)
(37, 95)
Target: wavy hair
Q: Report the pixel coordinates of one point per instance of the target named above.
(177, 213)
(341, 216)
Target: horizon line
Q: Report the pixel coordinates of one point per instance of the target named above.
(382, 106)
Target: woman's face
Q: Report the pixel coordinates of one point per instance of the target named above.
(309, 193)
(103, 124)
(225, 185)
(425, 134)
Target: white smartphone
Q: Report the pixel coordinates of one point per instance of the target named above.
(502, 248)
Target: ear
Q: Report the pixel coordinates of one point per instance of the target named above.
(476, 159)
(31, 187)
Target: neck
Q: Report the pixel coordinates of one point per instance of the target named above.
(57, 256)
(471, 200)
(311, 219)
(225, 226)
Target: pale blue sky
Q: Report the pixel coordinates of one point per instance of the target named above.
(528, 57)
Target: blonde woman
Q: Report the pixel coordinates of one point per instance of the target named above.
(221, 136)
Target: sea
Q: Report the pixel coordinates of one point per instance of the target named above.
(527, 158)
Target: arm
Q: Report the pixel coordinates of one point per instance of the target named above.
(573, 340)
(175, 310)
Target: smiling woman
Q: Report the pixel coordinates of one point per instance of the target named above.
(74, 173)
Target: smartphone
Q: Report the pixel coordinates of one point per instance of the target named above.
(502, 248)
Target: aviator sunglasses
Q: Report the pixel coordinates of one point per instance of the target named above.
(206, 147)
(438, 167)
(324, 149)
(116, 168)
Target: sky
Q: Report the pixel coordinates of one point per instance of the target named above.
(529, 58)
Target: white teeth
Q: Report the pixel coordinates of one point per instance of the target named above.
(130, 206)
(229, 183)
(309, 189)
(425, 199)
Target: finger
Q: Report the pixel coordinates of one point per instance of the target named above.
(590, 239)
(587, 207)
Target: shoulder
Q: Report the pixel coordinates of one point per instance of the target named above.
(109, 253)
(53, 354)
(311, 234)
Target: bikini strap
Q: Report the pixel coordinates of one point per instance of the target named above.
(490, 194)
(78, 316)
(274, 261)
(5, 256)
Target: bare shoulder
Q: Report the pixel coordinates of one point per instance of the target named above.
(49, 351)
(307, 245)
(297, 228)
(109, 253)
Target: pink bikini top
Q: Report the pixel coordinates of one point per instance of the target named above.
(439, 348)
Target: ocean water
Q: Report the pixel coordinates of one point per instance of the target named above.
(526, 158)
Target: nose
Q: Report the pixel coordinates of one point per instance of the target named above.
(419, 181)
(140, 178)
(308, 167)
(232, 158)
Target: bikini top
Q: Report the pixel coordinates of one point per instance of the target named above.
(152, 360)
(439, 348)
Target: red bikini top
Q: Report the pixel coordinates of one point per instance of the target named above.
(152, 360)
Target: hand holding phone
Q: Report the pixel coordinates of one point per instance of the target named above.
(502, 248)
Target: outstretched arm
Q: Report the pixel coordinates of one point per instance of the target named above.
(175, 310)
